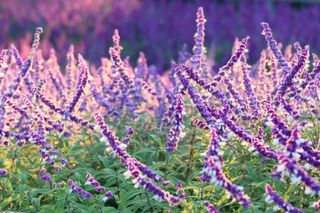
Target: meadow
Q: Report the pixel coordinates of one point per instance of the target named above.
(120, 137)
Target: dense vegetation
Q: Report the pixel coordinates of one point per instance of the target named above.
(122, 138)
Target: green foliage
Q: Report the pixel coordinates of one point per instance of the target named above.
(23, 190)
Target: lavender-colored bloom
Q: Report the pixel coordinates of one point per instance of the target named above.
(119, 65)
(194, 97)
(83, 79)
(241, 133)
(129, 131)
(116, 41)
(210, 207)
(42, 171)
(135, 168)
(235, 94)
(209, 87)
(232, 61)
(273, 45)
(200, 124)
(91, 181)
(141, 181)
(46, 177)
(273, 197)
(214, 174)
(3, 172)
(297, 174)
(107, 196)
(57, 168)
(199, 49)
(247, 84)
(75, 188)
(177, 126)
(287, 81)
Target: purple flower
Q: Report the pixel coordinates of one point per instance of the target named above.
(129, 131)
(210, 207)
(46, 177)
(75, 188)
(199, 49)
(135, 168)
(177, 126)
(200, 124)
(107, 196)
(273, 45)
(3, 172)
(83, 79)
(273, 197)
(287, 81)
(289, 166)
(213, 173)
(248, 89)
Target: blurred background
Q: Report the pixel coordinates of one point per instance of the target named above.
(159, 28)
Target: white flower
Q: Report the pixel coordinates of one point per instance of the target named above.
(251, 149)
(268, 199)
(295, 179)
(280, 168)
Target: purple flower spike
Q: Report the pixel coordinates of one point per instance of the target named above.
(200, 124)
(79, 190)
(213, 173)
(287, 81)
(210, 207)
(274, 47)
(176, 130)
(83, 79)
(199, 49)
(273, 197)
(297, 174)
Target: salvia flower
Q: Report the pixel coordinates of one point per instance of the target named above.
(177, 126)
(287, 81)
(197, 122)
(199, 49)
(214, 174)
(273, 45)
(210, 207)
(135, 168)
(289, 166)
(273, 197)
(3, 172)
(129, 131)
(107, 196)
(83, 79)
(75, 188)
(46, 177)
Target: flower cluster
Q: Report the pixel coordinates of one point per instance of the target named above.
(273, 197)
(177, 126)
(75, 188)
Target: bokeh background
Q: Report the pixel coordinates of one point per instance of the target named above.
(159, 28)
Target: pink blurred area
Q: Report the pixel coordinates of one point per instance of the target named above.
(62, 21)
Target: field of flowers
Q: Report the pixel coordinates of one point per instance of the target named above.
(122, 138)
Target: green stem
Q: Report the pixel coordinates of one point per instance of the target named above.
(166, 165)
(191, 153)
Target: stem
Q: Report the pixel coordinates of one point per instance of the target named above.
(191, 153)
(166, 165)
(201, 193)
